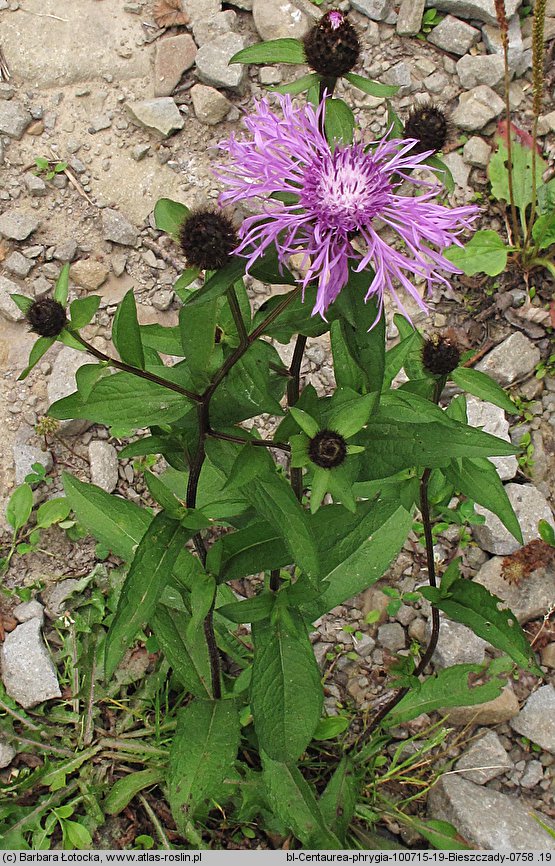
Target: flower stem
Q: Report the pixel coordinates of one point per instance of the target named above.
(237, 316)
(293, 393)
(501, 15)
(537, 80)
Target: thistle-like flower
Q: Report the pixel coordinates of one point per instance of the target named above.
(207, 238)
(440, 356)
(429, 126)
(47, 317)
(331, 196)
(331, 46)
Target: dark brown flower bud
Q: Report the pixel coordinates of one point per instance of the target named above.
(331, 46)
(47, 317)
(429, 126)
(440, 356)
(207, 238)
(327, 449)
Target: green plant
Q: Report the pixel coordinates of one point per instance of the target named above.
(49, 167)
(430, 19)
(546, 367)
(26, 537)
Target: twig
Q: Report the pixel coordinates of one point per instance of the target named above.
(155, 823)
(4, 68)
(263, 443)
(293, 393)
(44, 15)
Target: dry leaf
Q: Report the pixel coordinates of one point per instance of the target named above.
(169, 13)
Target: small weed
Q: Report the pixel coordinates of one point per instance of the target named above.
(49, 167)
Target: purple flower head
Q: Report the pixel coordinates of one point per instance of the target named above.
(335, 18)
(334, 197)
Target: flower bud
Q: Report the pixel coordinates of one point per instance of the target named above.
(440, 356)
(47, 317)
(327, 449)
(429, 126)
(207, 238)
(331, 46)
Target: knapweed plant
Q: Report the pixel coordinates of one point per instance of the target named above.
(315, 511)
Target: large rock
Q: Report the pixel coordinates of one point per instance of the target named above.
(207, 29)
(409, 21)
(201, 10)
(377, 10)
(62, 383)
(536, 720)
(482, 10)
(213, 65)
(279, 20)
(528, 598)
(118, 229)
(17, 225)
(512, 360)
(530, 506)
(103, 459)
(486, 819)
(492, 420)
(484, 760)
(28, 673)
(492, 40)
(14, 119)
(25, 455)
(211, 106)
(477, 108)
(454, 36)
(456, 645)
(482, 69)
(500, 709)
(174, 56)
(89, 274)
(8, 309)
(160, 115)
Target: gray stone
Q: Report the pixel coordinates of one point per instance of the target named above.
(536, 720)
(198, 10)
(391, 635)
(163, 300)
(458, 168)
(208, 28)
(529, 505)
(8, 309)
(36, 187)
(377, 10)
(139, 151)
(486, 819)
(7, 754)
(213, 66)
(409, 21)
(513, 359)
(477, 107)
(365, 645)
(454, 36)
(174, 55)
(100, 122)
(484, 760)
(477, 152)
(29, 610)
(89, 274)
(500, 709)
(103, 459)
(529, 598)
(457, 644)
(269, 75)
(62, 383)
(211, 106)
(492, 40)
(14, 119)
(16, 225)
(482, 69)
(532, 776)
(28, 673)
(159, 115)
(41, 286)
(66, 250)
(436, 82)
(492, 420)
(24, 457)
(548, 655)
(18, 265)
(482, 10)
(56, 595)
(399, 76)
(117, 228)
(279, 20)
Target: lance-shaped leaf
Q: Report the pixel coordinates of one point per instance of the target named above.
(477, 478)
(126, 333)
(272, 51)
(61, 289)
(202, 754)
(258, 547)
(149, 572)
(339, 122)
(472, 604)
(168, 215)
(188, 659)
(482, 386)
(286, 694)
(338, 801)
(374, 88)
(39, 349)
(198, 329)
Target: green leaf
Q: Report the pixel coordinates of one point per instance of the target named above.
(441, 834)
(543, 231)
(479, 384)
(168, 215)
(330, 727)
(299, 86)
(164, 496)
(203, 591)
(74, 835)
(161, 339)
(61, 288)
(40, 348)
(251, 610)
(547, 533)
(339, 798)
(286, 694)
(272, 51)
(149, 572)
(522, 185)
(126, 333)
(117, 523)
(353, 412)
(374, 88)
(485, 253)
(53, 511)
(291, 798)
(252, 386)
(124, 790)
(442, 171)
(473, 605)
(250, 462)
(23, 302)
(451, 687)
(258, 547)
(218, 284)
(366, 564)
(124, 400)
(477, 478)
(297, 318)
(20, 505)
(82, 310)
(202, 755)
(87, 376)
(197, 323)
(339, 122)
(188, 659)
